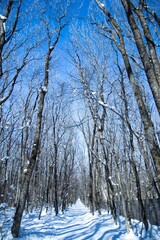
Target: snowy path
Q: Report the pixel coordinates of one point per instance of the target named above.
(80, 224)
(76, 224)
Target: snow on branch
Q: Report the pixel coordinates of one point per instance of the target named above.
(44, 89)
(106, 105)
(101, 5)
(3, 18)
(103, 104)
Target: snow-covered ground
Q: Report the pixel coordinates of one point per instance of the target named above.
(75, 224)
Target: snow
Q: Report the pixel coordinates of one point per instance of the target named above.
(75, 224)
(106, 105)
(44, 88)
(130, 236)
(114, 184)
(3, 205)
(4, 159)
(28, 123)
(103, 104)
(2, 17)
(51, 48)
(12, 187)
(2, 99)
(4, 27)
(102, 5)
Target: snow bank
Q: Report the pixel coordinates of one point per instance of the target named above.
(130, 236)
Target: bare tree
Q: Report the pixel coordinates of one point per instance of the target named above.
(146, 119)
(149, 59)
(52, 42)
(12, 62)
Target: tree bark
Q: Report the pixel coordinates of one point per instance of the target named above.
(146, 119)
(27, 175)
(151, 68)
(55, 179)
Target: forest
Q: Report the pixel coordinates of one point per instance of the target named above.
(80, 108)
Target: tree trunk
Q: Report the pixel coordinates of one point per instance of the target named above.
(146, 119)
(91, 197)
(148, 125)
(55, 180)
(27, 175)
(150, 43)
(138, 185)
(2, 42)
(125, 209)
(28, 171)
(149, 69)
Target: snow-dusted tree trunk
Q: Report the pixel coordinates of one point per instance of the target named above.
(150, 61)
(132, 160)
(110, 187)
(2, 39)
(146, 119)
(26, 122)
(56, 202)
(32, 161)
(124, 203)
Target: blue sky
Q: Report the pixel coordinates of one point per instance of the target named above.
(84, 9)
